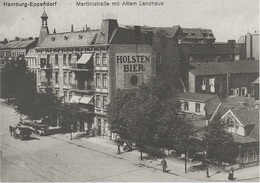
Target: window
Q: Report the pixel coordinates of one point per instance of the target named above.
(65, 96)
(203, 86)
(105, 102)
(104, 59)
(70, 78)
(98, 101)
(186, 106)
(48, 60)
(197, 107)
(97, 59)
(104, 80)
(57, 77)
(56, 59)
(69, 59)
(65, 78)
(212, 85)
(64, 59)
(98, 79)
(243, 91)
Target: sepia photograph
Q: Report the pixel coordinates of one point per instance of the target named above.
(129, 91)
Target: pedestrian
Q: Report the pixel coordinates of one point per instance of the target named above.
(164, 165)
(231, 174)
(11, 130)
(118, 149)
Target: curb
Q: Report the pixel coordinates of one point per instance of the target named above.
(144, 164)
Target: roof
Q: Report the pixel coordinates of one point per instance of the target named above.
(127, 36)
(242, 139)
(17, 44)
(217, 68)
(246, 116)
(31, 53)
(214, 48)
(197, 33)
(171, 31)
(68, 39)
(256, 81)
(231, 102)
(196, 96)
(255, 131)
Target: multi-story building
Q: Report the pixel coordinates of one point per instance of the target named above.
(252, 45)
(90, 66)
(223, 78)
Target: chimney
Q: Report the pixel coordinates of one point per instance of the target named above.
(30, 38)
(83, 29)
(17, 38)
(72, 28)
(87, 28)
(54, 31)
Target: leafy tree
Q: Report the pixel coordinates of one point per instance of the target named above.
(70, 113)
(217, 139)
(149, 115)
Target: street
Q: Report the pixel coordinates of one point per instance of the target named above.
(48, 159)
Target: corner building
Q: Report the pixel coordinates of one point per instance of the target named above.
(88, 67)
(130, 61)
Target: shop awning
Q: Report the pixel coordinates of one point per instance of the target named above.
(75, 98)
(84, 58)
(86, 99)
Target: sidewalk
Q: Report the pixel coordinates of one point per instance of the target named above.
(175, 166)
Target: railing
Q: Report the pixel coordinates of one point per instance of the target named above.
(45, 66)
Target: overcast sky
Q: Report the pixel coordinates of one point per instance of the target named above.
(228, 19)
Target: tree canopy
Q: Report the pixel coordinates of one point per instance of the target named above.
(149, 114)
(217, 139)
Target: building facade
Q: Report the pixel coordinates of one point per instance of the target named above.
(88, 67)
(223, 78)
(243, 123)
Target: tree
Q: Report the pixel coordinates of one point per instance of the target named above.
(149, 115)
(216, 139)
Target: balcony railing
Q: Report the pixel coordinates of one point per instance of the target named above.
(76, 67)
(45, 66)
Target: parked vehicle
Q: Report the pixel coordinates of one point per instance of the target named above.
(22, 133)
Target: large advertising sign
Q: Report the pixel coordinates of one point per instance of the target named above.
(132, 68)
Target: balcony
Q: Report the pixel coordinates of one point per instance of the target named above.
(45, 66)
(75, 67)
(82, 88)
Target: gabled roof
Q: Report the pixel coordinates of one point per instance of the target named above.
(17, 44)
(246, 116)
(231, 102)
(202, 97)
(217, 68)
(171, 31)
(31, 53)
(255, 131)
(241, 139)
(256, 81)
(68, 39)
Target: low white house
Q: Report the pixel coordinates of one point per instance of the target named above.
(199, 103)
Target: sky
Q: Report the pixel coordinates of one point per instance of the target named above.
(228, 19)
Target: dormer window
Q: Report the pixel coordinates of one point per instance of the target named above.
(80, 36)
(53, 38)
(66, 37)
